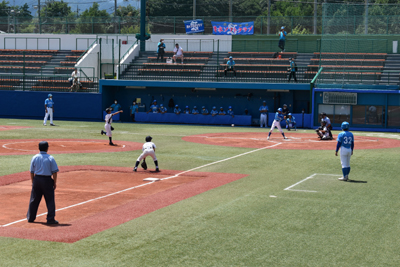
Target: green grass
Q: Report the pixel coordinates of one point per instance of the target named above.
(238, 224)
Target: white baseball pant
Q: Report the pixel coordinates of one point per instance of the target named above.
(46, 115)
(276, 124)
(263, 120)
(345, 154)
(108, 129)
(146, 153)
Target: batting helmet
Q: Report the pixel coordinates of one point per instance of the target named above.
(49, 95)
(290, 114)
(280, 109)
(148, 138)
(345, 125)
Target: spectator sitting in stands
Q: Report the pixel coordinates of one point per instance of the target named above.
(115, 106)
(214, 111)
(204, 111)
(154, 108)
(177, 110)
(74, 74)
(163, 109)
(291, 122)
(230, 66)
(221, 111)
(187, 110)
(230, 112)
(178, 53)
(195, 111)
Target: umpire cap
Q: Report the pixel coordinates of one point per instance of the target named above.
(43, 146)
(148, 138)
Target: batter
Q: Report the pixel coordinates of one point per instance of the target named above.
(277, 123)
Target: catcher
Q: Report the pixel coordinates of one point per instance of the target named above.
(149, 149)
(323, 131)
(107, 126)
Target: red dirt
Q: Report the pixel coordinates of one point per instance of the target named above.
(64, 146)
(300, 141)
(7, 127)
(77, 184)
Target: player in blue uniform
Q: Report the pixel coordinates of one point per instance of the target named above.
(346, 145)
(153, 108)
(230, 112)
(195, 111)
(204, 111)
(214, 111)
(221, 111)
(264, 114)
(291, 122)
(277, 123)
(48, 109)
(163, 109)
(177, 110)
(186, 110)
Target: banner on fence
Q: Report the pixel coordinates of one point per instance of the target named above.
(232, 28)
(193, 26)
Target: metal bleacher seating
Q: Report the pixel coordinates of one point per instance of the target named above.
(41, 70)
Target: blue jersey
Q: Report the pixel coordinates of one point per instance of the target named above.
(222, 113)
(230, 112)
(204, 111)
(186, 111)
(115, 107)
(163, 109)
(154, 108)
(230, 63)
(346, 139)
(133, 108)
(177, 110)
(195, 111)
(49, 103)
(291, 120)
(292, 66)
(279, 117)
(214, 111)
(282, 35)
(263, 108)
(43, 164)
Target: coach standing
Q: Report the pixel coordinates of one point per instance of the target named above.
(49, 109)
(43, 167)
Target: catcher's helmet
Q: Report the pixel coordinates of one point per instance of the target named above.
(148, 138)
(280, 109)
(323, 114)
(49, 95)
(345, 125)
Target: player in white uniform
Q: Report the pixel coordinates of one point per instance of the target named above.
(49, 109)
(323, 131)
(149, 149)
(277, 123)
(346, 145)
(107, 126)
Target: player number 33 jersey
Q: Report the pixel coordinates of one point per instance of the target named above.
(149, 146)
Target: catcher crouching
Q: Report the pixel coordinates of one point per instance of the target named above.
(323, 131)
(149, 149)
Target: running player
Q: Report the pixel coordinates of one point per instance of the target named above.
(277, 123)
(346, 145)
(107, 126)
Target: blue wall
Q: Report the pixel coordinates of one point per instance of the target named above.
(226, 94)
(67, 106)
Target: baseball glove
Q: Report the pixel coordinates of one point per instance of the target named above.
(144, 165)
(112, 128)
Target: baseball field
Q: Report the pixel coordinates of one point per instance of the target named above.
(227, 196)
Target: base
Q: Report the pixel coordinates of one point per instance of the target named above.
(151, 179)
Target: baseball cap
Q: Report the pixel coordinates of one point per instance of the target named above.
(214, 107)
(203, 107)
(187, 106)
(230, 57)
(221, 108)
(264, 101)
(280, 109)
(284, 105)
(161, 105)
(283, 27)
(176, 106)
(230, 107)
(154, 101)
(49, 95)
(194, 107)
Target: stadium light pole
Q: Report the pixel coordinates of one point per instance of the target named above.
(142, 25)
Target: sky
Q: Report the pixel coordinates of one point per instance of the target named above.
(81, 4)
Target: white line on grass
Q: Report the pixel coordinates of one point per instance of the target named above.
(309, 177)
(127, 189)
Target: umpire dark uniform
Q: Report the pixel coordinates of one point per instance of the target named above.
(43, 167)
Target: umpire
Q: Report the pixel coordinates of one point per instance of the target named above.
(43, 166)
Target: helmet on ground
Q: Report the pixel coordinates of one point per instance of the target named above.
(148, 138)
(345, 125)
(280, 109)
(49, 95)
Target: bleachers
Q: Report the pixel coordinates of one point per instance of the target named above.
(46, 70)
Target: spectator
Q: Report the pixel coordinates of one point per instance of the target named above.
(264, 114)
(328, 123)
(291, 122)
(204, 111)
(221, 111)
(178, 53)
(163, 109)
(74, 74)
(282, 38)
(285, 110)
(160, 50)
(230, 66)
(214, 111)
(115, 106)
(246, 112)
(195, 111)
(372, 115)
(187, 110)
(230, 112)
(292, 70)
(134, 109)
(177, 110)
(154, 108)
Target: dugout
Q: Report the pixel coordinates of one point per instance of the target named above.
(366, 108)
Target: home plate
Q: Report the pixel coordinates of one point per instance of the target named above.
(151, 179)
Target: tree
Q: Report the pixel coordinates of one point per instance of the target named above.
(4, 6)
(55, 9)
(94, 20)
(127, 11)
